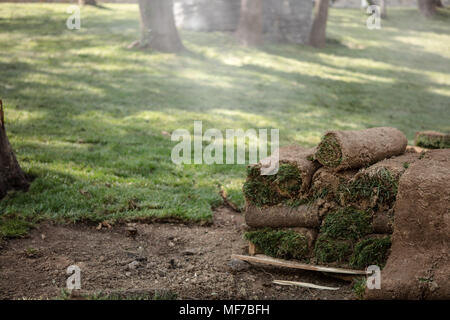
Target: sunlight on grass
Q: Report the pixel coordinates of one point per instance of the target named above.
(89, 119)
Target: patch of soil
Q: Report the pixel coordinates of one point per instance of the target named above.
(190, 260)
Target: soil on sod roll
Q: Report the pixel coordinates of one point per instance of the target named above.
(432, 140)
(357, 149)
(281, 215)
(376, 186)
(283, 243)
(326, 183)
(383, 221)
(290, 183)
(418, 266)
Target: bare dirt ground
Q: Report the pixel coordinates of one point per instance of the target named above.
(191, 260)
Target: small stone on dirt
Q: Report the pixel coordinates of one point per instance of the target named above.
(131, 231)
(188, 252)
(133, 265)
(238, 265)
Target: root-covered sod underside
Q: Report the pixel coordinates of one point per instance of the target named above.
(89, 119)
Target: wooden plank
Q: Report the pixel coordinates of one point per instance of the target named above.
(252, 249)
(259, 258)
(303, 284)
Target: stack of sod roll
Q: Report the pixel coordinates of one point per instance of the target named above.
(332, 204)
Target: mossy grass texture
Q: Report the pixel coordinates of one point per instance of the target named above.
(329, 250)
(359, 287)
(346, 224)
(329, 151)
(371, 251)
(264, 190)
(339, 232)
(381, 184)
(14, 226)
(284, 244)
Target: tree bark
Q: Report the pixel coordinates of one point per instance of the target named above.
(427, 7)
(87, 2)
(11, 175)
(317, 35)
(250, 29)
(158, 30)
(438, 3)
(383, 11)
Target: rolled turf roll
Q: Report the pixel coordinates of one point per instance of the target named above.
(281, 216)
(432, 140)
(418, 266)
(292, 243)
(357, 149)
(290, 183)
(377, 185)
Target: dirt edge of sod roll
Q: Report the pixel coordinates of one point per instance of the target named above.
(419, 264)
(290, 183)
(353, 149)
(281, 215)
(432, 140)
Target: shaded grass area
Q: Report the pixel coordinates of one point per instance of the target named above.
(89, 118)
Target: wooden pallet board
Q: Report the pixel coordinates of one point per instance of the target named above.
(260, 258)
(303, 285)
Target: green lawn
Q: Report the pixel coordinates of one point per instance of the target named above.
(86, 115)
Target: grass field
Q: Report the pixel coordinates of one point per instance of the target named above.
(88, 118)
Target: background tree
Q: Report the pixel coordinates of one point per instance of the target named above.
(383, 11)
(158, 30)
(439, 3)
(317, 35)
(250, 28)
(87, 2)
(11, 175)
(427, 7)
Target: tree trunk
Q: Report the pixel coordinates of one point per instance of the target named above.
(158, 30)
(383, 12)
(427, 7)
(87, 2)
(317, 35)
(250, 29)
(11, 175)
(438, 3)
